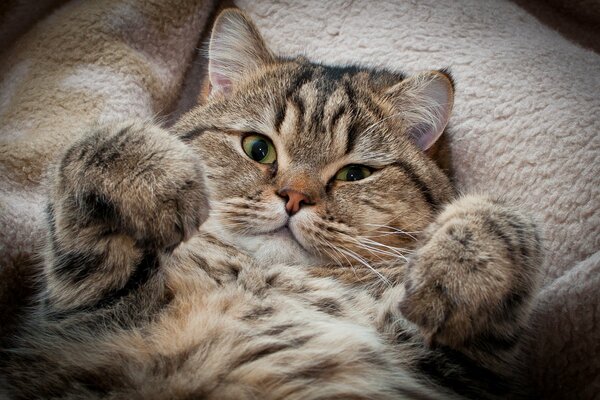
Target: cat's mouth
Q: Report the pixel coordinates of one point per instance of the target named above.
(286, 233)
(280, 245)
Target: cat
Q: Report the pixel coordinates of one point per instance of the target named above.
(296, 237)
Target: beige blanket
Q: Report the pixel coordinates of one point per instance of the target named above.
(525, 126)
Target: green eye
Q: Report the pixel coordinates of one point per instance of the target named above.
(352, 173)
(259, 148)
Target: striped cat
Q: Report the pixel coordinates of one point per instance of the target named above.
(297, 237)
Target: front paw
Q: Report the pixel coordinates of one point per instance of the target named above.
(137, 179)
(474, 272)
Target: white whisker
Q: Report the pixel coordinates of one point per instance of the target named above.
(362, 261)
(374, 250)
(396, 250)
(396, 230)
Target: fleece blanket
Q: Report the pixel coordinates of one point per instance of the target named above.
(525, 124)
(87, 62)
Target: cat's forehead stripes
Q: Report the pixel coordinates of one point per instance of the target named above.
(338, 120)
(320, 111)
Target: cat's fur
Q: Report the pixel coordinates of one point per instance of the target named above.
(142, 299)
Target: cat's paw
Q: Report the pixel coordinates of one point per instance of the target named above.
(133, 178)
(473, 273)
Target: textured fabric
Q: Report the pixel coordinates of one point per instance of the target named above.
(566, 317)
(85, 63)
(585, 10)
(525, 126)
(583, 31)
(525, 123)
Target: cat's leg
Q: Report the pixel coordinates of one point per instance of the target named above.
(469, 287)
(466, 297)
(473, 276)
(122, 196)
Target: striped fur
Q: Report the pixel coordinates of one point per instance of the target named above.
(173, 271)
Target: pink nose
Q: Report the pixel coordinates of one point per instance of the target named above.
(294, 200)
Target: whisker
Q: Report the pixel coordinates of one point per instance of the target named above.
(396, 230)
(324, 240)
(365, 263)
(397, 250)
(375, 251)
(333, 257)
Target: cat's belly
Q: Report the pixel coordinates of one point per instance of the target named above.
(253, 329)
(231, 345)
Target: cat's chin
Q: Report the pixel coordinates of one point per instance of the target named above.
(277, 247)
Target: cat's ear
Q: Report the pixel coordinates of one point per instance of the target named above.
(424, 103)
(235, 49)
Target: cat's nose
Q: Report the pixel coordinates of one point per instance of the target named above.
(294, 200)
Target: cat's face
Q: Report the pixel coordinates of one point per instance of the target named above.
(306, 161)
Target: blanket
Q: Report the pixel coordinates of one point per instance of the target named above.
(525, 125)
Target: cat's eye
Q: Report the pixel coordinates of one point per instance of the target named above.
(353, 172)
(259, 148)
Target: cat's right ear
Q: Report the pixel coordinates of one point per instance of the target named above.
(424, 103)
(236, 48)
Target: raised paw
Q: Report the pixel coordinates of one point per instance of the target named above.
(473, 273)
(133, 178)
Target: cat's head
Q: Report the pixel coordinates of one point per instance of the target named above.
(307, 160)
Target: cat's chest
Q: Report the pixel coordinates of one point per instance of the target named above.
(204, 264)
(206, 267)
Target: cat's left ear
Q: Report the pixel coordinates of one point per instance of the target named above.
(236, 48)
(424, 103)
